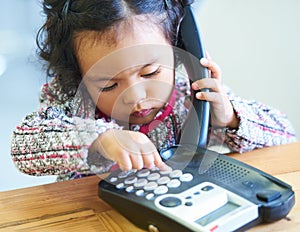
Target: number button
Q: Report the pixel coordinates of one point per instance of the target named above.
(186, 177)
(174, 183)
(130, 180)
(161, 190)
(140, 183)
(176, 174)
(153, 176)
(143, 173)
(163, 180)
(150, 186)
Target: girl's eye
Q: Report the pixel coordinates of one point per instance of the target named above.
(149, 75)
(108, 88)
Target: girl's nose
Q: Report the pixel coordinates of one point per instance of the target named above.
(134, 93)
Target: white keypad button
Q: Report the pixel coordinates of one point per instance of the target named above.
(125, 174)
(154, 169)
(140, 193)
(143, 173)
(140, 183)
(174, 183)
(153, 176)
(113, 179)
(163, 180)
(120, 186)
(129, 189)
(166, 172)
(130, 180)
(161, 190)
(186, 177)
(175, 174)
(150, 196)
(150, 186)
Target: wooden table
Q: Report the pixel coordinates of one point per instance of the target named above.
(75, 206)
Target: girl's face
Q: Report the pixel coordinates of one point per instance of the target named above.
(130, 80)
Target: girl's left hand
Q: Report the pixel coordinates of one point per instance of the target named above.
(222, 113)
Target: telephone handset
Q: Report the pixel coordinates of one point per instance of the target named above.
(194, 132)
(190, 40)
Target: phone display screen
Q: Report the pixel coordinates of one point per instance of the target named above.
(227, 208)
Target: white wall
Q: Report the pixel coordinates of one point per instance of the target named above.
(20, 80)
(256, 43)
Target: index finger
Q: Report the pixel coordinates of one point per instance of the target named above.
(159, 163)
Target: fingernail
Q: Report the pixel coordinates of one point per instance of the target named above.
(165, 167)
(198, 95)
(204, 61)
(195, 86)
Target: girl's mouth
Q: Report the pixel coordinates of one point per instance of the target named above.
(141, 113)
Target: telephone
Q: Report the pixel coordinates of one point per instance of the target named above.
(227, 196)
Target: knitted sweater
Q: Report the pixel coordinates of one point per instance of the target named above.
(55, 139)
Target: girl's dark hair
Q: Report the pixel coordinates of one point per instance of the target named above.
(66, 18)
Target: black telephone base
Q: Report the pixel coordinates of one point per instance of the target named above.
(272, 198)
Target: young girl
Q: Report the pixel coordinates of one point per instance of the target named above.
(116, 96)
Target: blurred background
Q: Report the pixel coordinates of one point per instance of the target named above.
(256, 43)
(21, 77)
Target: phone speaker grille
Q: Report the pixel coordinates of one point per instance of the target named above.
(226, 172)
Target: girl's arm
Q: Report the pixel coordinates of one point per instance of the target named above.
(259, 126)
(50, 143)
(55, 139)
(242, 124)
(63, 137)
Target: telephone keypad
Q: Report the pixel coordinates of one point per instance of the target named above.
(150, 183)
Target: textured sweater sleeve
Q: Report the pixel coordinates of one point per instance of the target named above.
(260, 126)
(53, 141)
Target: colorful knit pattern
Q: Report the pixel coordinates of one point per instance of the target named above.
(55, 139)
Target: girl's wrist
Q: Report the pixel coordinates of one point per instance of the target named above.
(234, 122)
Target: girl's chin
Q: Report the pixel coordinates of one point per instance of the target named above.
(140, 119)
(137, 120)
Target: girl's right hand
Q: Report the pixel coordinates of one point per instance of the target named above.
(129, 149)
(222, 112)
